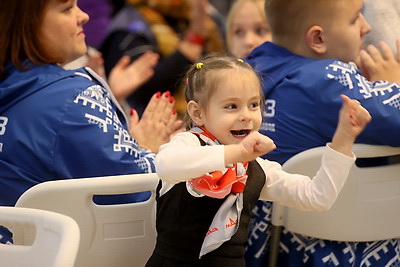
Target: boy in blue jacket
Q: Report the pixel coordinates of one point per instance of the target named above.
(305, 69)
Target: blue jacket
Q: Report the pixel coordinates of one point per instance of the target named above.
(301, 111)
(303, 101)
(61, 124)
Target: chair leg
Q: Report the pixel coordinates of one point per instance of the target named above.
(274, 245)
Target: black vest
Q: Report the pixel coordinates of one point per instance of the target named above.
(183, 221)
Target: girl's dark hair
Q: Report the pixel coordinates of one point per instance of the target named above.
(20, 26)
(204, 77)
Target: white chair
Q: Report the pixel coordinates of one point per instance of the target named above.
(111, 235)
(367, 208)
(41, 238)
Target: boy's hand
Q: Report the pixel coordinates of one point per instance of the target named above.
(377, 66)
(352, 120)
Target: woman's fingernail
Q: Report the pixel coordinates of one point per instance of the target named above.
(172, 99)
(131, 111)
(158, 94)
(167, 94)
(173, 111)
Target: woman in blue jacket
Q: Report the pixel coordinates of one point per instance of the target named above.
(61, 124)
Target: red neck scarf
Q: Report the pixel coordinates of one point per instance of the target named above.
(219, 184)
(229, 183)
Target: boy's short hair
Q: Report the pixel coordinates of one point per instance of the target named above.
(292, 18)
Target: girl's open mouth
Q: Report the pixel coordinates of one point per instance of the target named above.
(240, 133)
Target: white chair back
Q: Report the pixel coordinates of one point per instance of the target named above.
(367, 208)
(41, 238)
(111, 235)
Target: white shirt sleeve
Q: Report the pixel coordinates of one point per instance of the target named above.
(183, 158)
(302, 192)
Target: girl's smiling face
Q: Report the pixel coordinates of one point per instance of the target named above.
(233, 110)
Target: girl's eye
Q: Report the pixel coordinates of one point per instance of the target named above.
(261, 31)
(254, 105)
(239, 32)
(231, 106)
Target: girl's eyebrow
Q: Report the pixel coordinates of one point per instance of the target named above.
(254, 98)
(230, 99)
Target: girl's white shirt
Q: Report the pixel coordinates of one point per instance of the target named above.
(184, 158)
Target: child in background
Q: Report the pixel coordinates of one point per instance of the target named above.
(305, 70)
(247, 27)
(212, 175)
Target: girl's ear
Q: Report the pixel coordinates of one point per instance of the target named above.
(316, 39)
(195, 112)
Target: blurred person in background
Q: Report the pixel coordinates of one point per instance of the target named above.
(247, 27)
(179, 31)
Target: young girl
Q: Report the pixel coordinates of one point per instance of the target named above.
(247, 27)
(212, 175)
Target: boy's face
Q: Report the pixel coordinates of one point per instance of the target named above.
(233, 110)
(344, 37)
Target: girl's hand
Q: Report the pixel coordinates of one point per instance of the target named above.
(158, 123)
(256, 144)
(252, 146)
(352, 120)
(353, 117)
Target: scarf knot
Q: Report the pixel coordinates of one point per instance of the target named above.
(218, 184)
